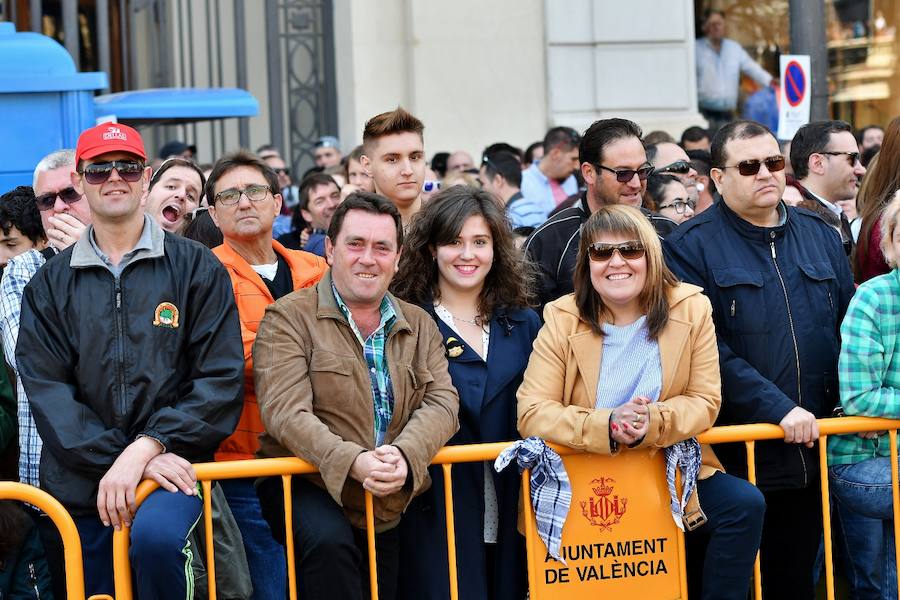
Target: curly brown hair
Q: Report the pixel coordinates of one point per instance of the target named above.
(510, 279)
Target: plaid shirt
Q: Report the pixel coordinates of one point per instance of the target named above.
(869, 366)
(376, 359)
(16, 275)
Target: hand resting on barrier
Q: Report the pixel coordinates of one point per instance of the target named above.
(115, 495)
(382, 471)
(800, 427)
(172, 473)
(629, 422)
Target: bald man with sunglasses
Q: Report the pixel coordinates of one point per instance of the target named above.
(779, 283)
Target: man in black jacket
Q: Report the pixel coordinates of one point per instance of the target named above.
(130, 353)
(779, 284)
(615, 170)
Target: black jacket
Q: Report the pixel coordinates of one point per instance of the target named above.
(778, 296)
(554, 247)
(103, 360)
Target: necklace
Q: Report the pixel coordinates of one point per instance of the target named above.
(477, 321)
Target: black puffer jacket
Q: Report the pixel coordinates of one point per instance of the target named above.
(157, 352)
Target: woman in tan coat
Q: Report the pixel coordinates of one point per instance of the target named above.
(629, 360)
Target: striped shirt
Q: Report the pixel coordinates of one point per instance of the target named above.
(376, 359)
(16, 275)
(630, 366)
(869, 366)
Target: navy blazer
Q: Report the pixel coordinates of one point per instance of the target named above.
(487, 413)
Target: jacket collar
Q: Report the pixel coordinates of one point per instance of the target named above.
(231, 259)
(753, 232)
(83, 254)
(327, 307)
(672, 341)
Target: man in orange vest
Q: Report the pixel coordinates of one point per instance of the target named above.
(244, 199)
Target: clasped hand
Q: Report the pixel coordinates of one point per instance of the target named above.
(381, 471)
(629, 422)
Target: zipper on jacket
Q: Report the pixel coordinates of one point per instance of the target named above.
(34, 583)
(120, 349)
(787, 303)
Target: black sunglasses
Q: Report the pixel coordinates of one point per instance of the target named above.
(600, 252)
(851, 156)
(751, 167)
(681, 167)
(47, 201)
(626, 175)
(128, 170)
(282, 171)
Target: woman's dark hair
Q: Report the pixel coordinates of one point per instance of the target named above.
(439, 223)
(878, 187)
(14, 525)
(201, 228)
(177, 161)
(355, 155)
(18, 208)
(656, 190)
(626, 221)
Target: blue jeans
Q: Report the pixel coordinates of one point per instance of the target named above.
(721, 552)
(265, 556)
(160, 553)
(865, 488)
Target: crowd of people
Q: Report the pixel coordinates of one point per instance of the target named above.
(605, 290)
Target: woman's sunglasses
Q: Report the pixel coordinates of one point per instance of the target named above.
(751, 167)
(600, 252)
(128, 170)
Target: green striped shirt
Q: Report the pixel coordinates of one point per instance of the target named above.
(869, 366)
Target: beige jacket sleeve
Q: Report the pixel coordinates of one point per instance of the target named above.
(545, 398)
(686, 414)
(436, 419)
(286, 403)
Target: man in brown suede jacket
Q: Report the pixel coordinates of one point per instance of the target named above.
(354, 381)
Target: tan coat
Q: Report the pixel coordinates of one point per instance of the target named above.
(557, 397)
(315, 396)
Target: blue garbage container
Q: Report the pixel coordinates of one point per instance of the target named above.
(44, 102)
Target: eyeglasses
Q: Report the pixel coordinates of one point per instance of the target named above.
(47, 201)
(853, 157)
(599, 252)
(254, 193)
(129, 170)
(282, 171)
(626, 175)
(679, 205)
(751, 167)
(681, 167)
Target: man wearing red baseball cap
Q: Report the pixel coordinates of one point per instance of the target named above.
(127, 378)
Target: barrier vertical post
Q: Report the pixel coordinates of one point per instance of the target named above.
(370, 536)
(289, 536)
(451, 532)
(751, 477)
(896, 497)
(206, 486)
(826, 517)
(529, 528)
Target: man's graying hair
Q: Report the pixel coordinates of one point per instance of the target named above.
(54, 160)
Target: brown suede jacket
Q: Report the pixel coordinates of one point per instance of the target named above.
(315, 395)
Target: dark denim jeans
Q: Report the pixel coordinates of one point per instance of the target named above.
(865, 488)
(265, 556)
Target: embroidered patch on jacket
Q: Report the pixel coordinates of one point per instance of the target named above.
(166, 315)
(453, 351)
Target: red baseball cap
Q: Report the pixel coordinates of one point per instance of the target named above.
(109, 137)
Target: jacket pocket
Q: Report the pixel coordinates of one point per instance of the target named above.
(821, 290)
(741, 300)
(331, 376)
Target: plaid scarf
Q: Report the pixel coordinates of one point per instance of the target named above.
(684, 455)
(551, 493)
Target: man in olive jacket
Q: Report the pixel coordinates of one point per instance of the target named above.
(354, 381)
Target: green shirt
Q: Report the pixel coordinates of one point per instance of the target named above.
(869, 366)
(376, 360)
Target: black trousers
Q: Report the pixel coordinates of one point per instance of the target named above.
(331, 556)
(790, 542)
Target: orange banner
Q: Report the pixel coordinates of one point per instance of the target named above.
(620, 540)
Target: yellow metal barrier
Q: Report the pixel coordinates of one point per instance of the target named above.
(287, 467)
